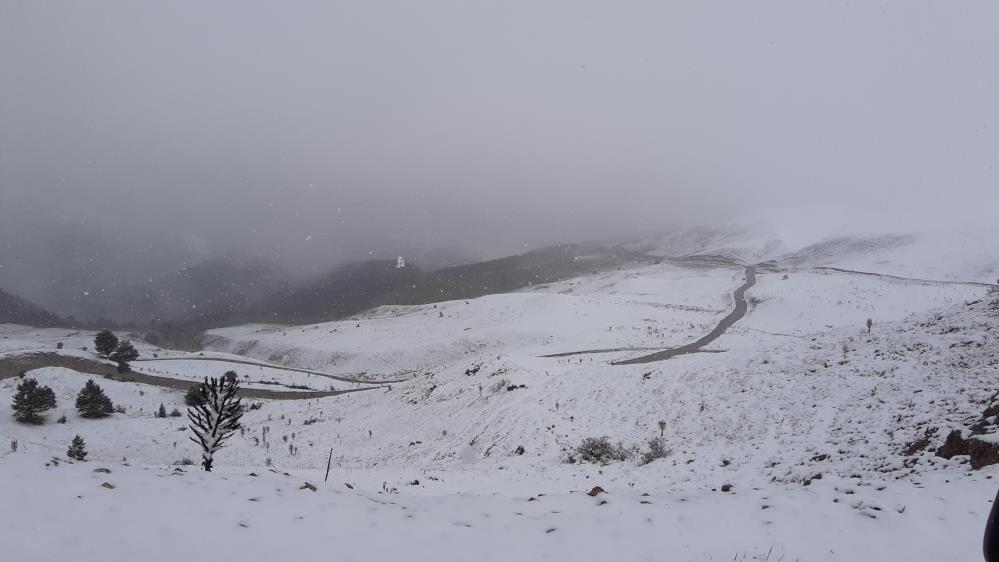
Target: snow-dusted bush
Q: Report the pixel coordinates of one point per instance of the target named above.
(656, 450)
(500, 385)
(599, 450)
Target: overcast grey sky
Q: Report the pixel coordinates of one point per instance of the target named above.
(316, 131)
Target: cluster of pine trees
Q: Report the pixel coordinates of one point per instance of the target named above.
(31, 400)
(110, 347)
(214, 405)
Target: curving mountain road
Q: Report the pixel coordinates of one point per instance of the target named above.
(992, 286)
(737, 313)
(342, 378)
(12, 366)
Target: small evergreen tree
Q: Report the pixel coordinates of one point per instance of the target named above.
(194, 395)
(91, 402)
(30, 400)
(105, 343)
(77, 449)
(161, 413)
(123, 354)
(217, 418)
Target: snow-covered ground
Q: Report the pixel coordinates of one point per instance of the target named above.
(811, 419)
(647, 306)
(164, 514)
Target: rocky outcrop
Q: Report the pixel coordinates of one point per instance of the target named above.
(979, 441)
(984, 450)
(956, 444)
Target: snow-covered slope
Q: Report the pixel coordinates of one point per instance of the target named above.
(164, 514)
(850, 239)
(646, 306)
(795, 391)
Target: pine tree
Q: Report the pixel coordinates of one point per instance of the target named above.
(216, 418)
(91, 402)
(194, 395)
(30, 400)
(123, 354)
(161, 413)
(77, 449)
(105, 343)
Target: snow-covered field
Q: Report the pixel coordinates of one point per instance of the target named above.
(163, 514)
(647, 306)
(808, 417)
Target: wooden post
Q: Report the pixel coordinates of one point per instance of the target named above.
(328, 463)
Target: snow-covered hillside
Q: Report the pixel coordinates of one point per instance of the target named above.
(821, 433)
(848, 238)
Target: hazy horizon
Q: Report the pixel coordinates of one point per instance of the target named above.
(138, 137)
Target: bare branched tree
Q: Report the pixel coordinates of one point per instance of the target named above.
(216, 417)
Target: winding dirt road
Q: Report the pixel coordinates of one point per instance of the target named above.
(737, 313)
(739, 296)
(342, 378)
(992, 286)
(12, 366)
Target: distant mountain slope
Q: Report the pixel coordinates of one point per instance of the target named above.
(360, 286)
(15, 310)
(966, 252)
(204, 292)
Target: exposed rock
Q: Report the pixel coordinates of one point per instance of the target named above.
(984, 451)
(955, 444)
(726, 487)
(596, 491)
(307, 486)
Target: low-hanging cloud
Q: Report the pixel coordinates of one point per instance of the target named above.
(315, 132)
